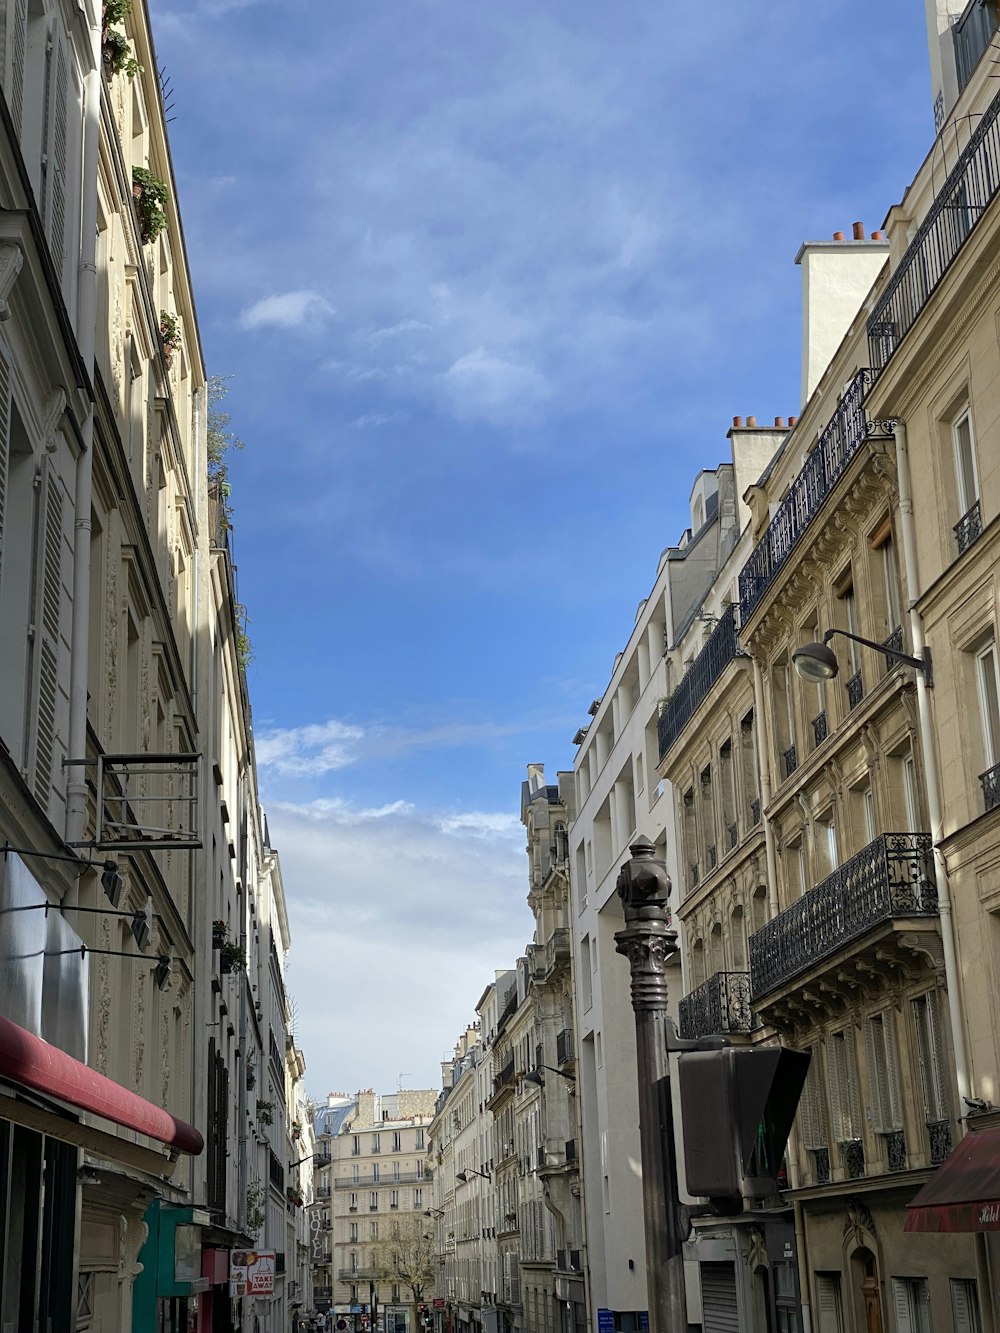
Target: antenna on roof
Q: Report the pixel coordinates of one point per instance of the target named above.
(399, 1081)
(167, 93)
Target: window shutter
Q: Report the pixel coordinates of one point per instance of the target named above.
(46, 646)
(18, 41)
(965, 1306)
(938, 1067)
(58, 159)
(895, 1107)
(901, 1306)
(828, 1303)
(4, 442)
(834, 1052)
(875, 1059)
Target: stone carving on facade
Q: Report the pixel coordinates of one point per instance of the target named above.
(11, 259)
(859, 1225)
(117, 347)
(54, 409)
(755, 1256)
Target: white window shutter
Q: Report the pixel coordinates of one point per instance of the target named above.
(874, 1058)
(965, 1306)
(938, 1065)
(901, 1306)
(17, 42)
(58, 158)
(895, 1107)
(46, 646)
(4, 444)
(834, 1054)
(828, 1303)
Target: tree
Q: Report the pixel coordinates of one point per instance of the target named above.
(406, 1257)
(221, 438)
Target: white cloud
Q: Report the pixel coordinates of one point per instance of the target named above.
(482, 384)
(288, 310)
(374, 419)
(308, 751)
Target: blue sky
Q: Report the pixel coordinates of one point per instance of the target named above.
(491, 282)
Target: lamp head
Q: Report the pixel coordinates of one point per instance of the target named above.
(535, 1076)
(815, 662)
(463, 1176)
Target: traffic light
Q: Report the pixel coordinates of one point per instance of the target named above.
(737, 1108)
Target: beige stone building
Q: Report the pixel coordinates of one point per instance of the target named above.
(374, 1190)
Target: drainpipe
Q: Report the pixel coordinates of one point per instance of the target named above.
(76, 787)
(932, 779)
(764, 780)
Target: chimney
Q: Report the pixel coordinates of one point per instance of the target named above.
(837, 275)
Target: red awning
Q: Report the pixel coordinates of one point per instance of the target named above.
(964, 1192)
(33, 1063)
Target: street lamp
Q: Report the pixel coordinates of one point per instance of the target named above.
(463, 1176)
(817, 662)
(649, 942)
(536, 1076)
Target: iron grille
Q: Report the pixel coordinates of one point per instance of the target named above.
(713, 857)
(894, 642)
(821, 1165)
(853, 1153)
(891, 877)
(939, 1138)
(855, 689)
(819, 727)
(968, 528)
(734, 834)
(961, 202)
(844, 434)
(565, 1054)
(755, 812)
(895, 1150)
(991, 787)
(720, 1004)
(791, 759)
(694, 876)
(705, 670)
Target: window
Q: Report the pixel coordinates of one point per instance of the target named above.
(394, 1198)
(373, 1229)
(375, 1174)
(354, 1261)
(965, 1306)
(373, 1200)
(355, 1174)
(418, 1198)
(847, 619)
(885, 1104)
(354, 1233)
(826, 842)
(989, 701)
(812, 1108)
(420, 1138)
(794, 862)
(829, 1305)
(395, 1170)
(910, 792)
(966, 475)
(354, 1203)
(376, 1143)
(930, 1053)
(397, 1141)
(356, 1146)
(911, 1304)
(845, 1103)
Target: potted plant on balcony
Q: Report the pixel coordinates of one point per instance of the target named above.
(170, 336)
(116, 50)
(219, 933)
(231, 957)
(265, 1112)
(295, 1196)
(255, 1206)
(251, 1074)
(150, 196)
(296, 1129)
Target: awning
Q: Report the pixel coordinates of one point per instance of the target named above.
(964, 1192)
(27, 1060)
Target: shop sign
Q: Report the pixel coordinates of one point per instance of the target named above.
(251, 1273)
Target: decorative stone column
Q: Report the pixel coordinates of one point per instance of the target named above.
(649, 942)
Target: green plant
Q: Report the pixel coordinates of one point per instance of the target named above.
(244, 648)
(115, 11)
(255, 1205)
(221, 439)
(231, 957)
(265, 1112)
(116, 51)
(150, 195)
(170, 330)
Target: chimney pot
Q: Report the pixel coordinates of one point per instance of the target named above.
(737, 423)
(859, 231)
(878, 236)
(792, 421)
(751, 422)
(779, 422)
(838, 235)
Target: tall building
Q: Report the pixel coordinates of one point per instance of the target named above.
(373, 1187)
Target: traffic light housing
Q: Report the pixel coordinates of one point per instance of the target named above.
(737, 1108)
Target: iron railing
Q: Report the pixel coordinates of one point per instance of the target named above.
(991, 787)
(720, 1004)
(855, 689)
(895, 1150)
(844, 434)
(565, 1051)
(891, 877)
(972, 33)
(755, 812)
(853, 1153)
(950, 221)
(821, 1165)
(819, 726)
(705, 670)
(734, 834)
(791, 760)
(894, 643)
(968, 528)
(713, 857)
(939, 1140)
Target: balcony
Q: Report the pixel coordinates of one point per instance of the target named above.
(844, 435)
(506, 1076)
(968, 528)
(357, 1274)
(565, 1050)
(705, 670)
(961, 202)
(991, 787)
(557, 951)
(720, 1004)
(892, 877)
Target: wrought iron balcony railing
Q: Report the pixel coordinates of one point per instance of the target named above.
(820, 729)
(891, 877)
(846, 431)
(705, 670)
(968, 528)
(853, 1154)
(755, 812)
(991, 787)
(895, 1150)
(855, 689)
(720, 1004)
(565, 1050)
(939, 1140)
(734, 834)
(791, 760)
(961, 202)
(894, 643)
(557, 948)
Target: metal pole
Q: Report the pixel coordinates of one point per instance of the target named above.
(649, 942)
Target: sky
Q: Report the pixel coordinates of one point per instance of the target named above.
(490, 282)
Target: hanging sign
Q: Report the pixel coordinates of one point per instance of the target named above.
(251, 1273)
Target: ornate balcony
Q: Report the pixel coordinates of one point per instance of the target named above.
(855, 689)
(733, 831)
(961, 202)
(565, 1050)
(720, 1004)
(895, 1150)
(894, 643)
(968, 528)
(557, 951)
(991, 787)
(892, 877)
(708, 666)
(790, 757)
(939, 1140)
(819, 726)
(844, 435)
(755, 812)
